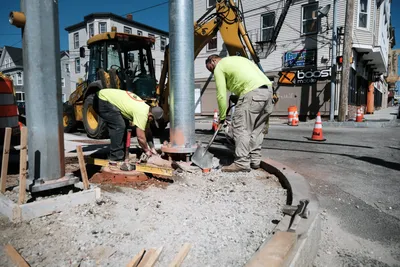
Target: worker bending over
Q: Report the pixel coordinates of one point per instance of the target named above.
(119, 107)
(242, 77)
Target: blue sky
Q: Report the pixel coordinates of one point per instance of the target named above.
(73, 11)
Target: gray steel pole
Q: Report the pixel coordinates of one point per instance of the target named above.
(333, 63)
(42, 83)
(181, 76)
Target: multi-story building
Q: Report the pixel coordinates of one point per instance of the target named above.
(96, 23)
(11, 64)
(300, 64)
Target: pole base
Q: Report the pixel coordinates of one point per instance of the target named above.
(39, 185)
(167, 148)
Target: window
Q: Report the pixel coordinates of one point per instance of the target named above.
(67, 67)
(76, 40)
(20, 96)
(102, 27)
(63, 97)
(212, 45)
(363, 11)
(139, 33)
(154, 37)
(19, 78)
(267, 26)
(127, 30)
(6, 63)
(62, 82)
(91, 30)
(162, 64)
(211, 3)
(77, 65)
(163, 43)
(309, 18)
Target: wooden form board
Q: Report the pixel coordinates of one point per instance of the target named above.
(4, 162)
(22, 165)
(82, 166)
(178, 260)
(15, 256)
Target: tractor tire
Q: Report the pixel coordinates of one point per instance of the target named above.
(94, 125)
(69, 121)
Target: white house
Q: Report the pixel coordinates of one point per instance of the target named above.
(96, 23)
(303, 49)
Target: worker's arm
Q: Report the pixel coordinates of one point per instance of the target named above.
(150, 139)
(221, 92)
(141, 136)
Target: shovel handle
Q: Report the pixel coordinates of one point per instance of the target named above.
(213, 138)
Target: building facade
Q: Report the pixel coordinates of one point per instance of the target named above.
(96, 23)
(65, 75)
(300, 64)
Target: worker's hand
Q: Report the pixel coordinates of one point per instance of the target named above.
(145, 156)
(154, 151)
(222, 122)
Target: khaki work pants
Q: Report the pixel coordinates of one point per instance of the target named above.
(248, 136)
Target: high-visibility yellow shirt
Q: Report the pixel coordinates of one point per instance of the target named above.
(239, 75)
(132, 107)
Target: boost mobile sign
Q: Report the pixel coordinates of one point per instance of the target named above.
(312, 76)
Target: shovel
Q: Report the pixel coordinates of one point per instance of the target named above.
(202, 157)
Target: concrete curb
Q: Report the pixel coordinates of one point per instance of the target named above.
(285, 248)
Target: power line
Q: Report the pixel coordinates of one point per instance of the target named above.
(146, 8)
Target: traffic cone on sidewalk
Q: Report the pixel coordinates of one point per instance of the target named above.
(317, 134)
(215, 121)
(359, 116)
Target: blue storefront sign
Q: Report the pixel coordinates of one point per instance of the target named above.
(303, 58)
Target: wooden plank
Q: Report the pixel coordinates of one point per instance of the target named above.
(153, 258)
(57, 204)
(15, 256)
(146, 257)
(98, 162)
(181, 255)
(82, 166)
(135, 261)
(4, 162)
(22, 166)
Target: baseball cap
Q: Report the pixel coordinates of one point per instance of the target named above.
(157, 115)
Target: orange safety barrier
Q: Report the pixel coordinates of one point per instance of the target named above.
(295, 120)
(8, 105)
(215, 121)
(317, 134)
(291, 111)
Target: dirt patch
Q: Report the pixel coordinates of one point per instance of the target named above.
(226, 217)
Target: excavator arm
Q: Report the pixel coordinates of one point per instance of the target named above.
(226, 18)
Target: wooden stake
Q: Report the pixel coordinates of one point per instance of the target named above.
(22, 166)
(82, 166)
(15, 256)
(181, 255)
(4, 163)
(135, 261)
(146, 257)
(153, 258)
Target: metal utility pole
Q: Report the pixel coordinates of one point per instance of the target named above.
(347, 53)
(181, 77)
(333, 64)
(42, 82)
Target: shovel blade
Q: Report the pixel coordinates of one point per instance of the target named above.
(202, 158)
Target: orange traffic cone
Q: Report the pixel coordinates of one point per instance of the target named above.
(295, 120)
(317, 134)
(359, 116)
(215, 121)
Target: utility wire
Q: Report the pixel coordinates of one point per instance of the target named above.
(146, 8)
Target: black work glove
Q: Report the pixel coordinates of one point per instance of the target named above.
(234, 99)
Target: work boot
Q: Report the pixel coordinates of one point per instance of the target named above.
(234, 168)
(254, 166)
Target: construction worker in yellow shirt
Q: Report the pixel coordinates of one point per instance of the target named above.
(254, 92)
(119, 107)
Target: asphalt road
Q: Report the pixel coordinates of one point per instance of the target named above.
(356, 175)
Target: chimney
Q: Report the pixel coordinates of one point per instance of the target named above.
(129, 16)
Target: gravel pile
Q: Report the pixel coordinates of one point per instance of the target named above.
(226, 217)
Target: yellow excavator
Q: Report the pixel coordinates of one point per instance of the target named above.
(124, 61)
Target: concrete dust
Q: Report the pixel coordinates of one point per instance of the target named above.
(340, 248)
(226, 217)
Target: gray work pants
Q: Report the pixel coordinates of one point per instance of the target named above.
(248, 136)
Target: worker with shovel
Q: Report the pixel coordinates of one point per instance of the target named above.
(254, 105)
(119, 107)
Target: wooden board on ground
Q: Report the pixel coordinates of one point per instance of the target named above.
(82, 167)
(22, 166)
(4, 162)
(178, 260)
(153, 258)
(15, 256)
(146, 257)
(135, 261)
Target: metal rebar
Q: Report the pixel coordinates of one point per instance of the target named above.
(42, 83)
(333, 63)
(181, 75)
